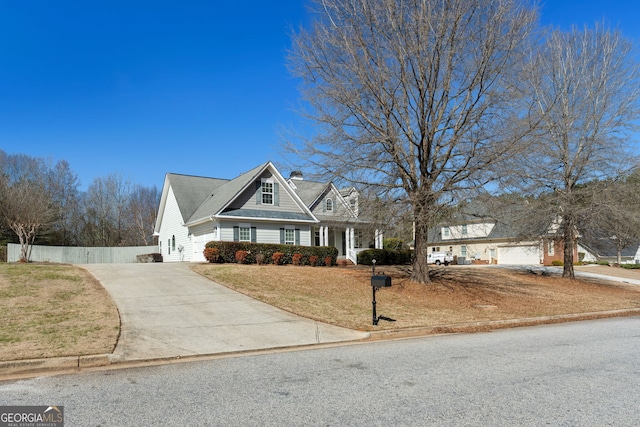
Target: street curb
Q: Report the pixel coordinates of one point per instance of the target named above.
(58, 365)
(471, 327)
(52, 364)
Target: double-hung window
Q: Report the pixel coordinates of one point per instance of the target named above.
(329, 205)
(267, 193)
(289, 236)
(244, 234)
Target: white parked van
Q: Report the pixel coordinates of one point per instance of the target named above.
(438, 258)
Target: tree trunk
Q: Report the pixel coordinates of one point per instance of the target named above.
(569, 243)
(420, 271)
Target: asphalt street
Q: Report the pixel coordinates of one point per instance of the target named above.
(571, 374)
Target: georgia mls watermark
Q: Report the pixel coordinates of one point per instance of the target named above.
(31, 416)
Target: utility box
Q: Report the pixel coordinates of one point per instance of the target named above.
(381, 281)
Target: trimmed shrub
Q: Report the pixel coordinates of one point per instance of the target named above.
(313, 260)
(296, 259)
(630, 266)
(328, 261)
(278, 258)
(259, 259)
(241, 256)
(227, 251)
(557, 263)
(212, 254)
(385, 257)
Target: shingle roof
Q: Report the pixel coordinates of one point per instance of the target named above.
(200, 198)
(190, 191)
(309, 191)
(255, 213)
(499, 231)
(221, 195)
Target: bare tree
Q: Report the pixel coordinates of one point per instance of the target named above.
(25, 202)
(105, 211)
(62, 184)
(142, 210)
(419, 97)
(586, 89)
(26, 208)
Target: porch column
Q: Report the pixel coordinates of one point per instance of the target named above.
(378, 239)
(321, 234)
(352, 239)
(324, 233)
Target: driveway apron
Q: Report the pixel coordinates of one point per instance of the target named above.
(167, 310)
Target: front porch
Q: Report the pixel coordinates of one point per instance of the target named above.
(347, 239)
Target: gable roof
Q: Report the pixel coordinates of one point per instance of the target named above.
(189, 192)
(199, 198)
(221, 197)
(310, 191)
(500, 231)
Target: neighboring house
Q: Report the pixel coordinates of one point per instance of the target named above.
(474, 240)
(258, 206)
(602, 249)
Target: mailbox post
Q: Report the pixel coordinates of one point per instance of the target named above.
(377, 282)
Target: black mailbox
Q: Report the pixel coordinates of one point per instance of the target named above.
(380, 281)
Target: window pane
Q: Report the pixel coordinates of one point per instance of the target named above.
(289, 237)
(245, 234)
(267, 193)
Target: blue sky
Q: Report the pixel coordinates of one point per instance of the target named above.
(142, 88)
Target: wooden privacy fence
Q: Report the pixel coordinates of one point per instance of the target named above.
(81, 255)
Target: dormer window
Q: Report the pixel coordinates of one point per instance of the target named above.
(329, 205)
(267, 193)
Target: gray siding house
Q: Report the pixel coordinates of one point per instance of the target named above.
(258, 206)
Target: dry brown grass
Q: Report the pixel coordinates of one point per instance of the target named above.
(54, 310)
(61, 310)
(342, 296)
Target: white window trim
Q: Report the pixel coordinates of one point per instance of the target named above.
(292, 229)
(289, 231)
(328, 204)
(244, 226)
(264, 193)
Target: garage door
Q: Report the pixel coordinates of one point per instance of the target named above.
(519, 255)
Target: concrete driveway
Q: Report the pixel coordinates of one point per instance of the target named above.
(167, 310)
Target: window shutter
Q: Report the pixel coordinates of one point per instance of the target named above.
(236, 233)
(282, 236)
(253, 235)
(258, 193)
(276, 194)
(297, 233)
